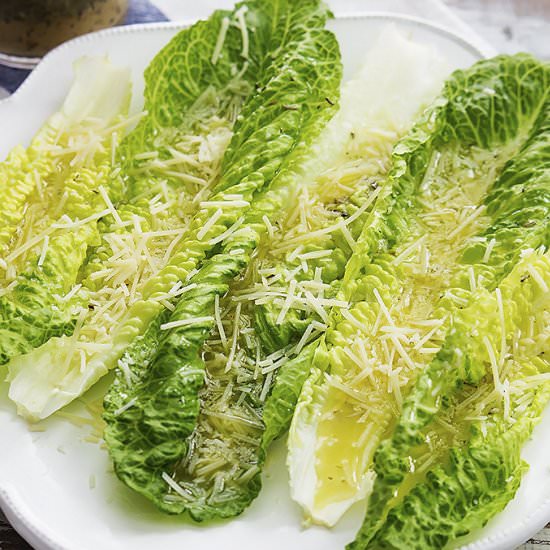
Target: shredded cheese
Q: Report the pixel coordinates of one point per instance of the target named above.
(44, 251)
(241, 23)
(187, 322)
(537, 278)
(209, 224)
(227, 233)
(220, 41)
(126, 406)
(488, 250)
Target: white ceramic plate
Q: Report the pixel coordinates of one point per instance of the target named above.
(59, 491)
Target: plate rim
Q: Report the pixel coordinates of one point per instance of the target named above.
(183, 23)
(28, 525)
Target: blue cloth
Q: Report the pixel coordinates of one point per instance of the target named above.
(142, 11)
(139, 11)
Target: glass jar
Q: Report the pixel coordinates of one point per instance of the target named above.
(30, 28)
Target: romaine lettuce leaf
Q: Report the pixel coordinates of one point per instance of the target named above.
(428, 246)
(453, 460)
(30, 179)
(46, 239)
(257, 182)
(227, 440)
(373, 115)
(18, 176)
(167, 165)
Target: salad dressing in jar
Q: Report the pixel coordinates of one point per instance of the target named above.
(30, 28)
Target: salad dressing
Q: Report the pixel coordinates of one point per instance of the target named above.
(408, 328)
(225, 445)
(31, 28)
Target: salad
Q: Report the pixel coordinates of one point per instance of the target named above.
(265, 249)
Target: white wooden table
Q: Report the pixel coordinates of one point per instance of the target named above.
(509, 25)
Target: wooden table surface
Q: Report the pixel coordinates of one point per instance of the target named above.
(511, 26)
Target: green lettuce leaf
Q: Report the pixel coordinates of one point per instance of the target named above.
(164, 168)
(434, 238)
(31, 178)
(48, 234)
(453, 460)
(370, 134)
(227, 442)
(287, 115)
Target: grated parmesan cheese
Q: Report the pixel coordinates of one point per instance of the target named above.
(186, 322)
(220, 41)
